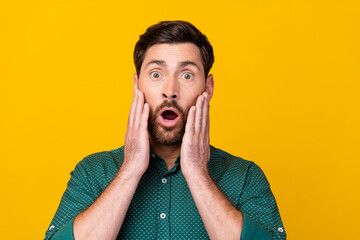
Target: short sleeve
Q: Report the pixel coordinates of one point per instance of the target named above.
(76, 198)
(261, 217)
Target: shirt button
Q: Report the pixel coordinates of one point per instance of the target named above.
(163, 180)
(163, 215)
(280, 229)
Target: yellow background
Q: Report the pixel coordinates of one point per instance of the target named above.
(286, 96)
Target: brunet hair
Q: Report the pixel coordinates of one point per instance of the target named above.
(174, 32)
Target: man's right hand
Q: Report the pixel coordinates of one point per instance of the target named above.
(111, 206)
(137, 145)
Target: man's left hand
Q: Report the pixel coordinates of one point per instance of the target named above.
(195, 148)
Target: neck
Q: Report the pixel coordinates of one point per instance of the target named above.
(167, 152)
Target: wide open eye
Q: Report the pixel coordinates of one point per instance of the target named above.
(155, 74)
(187, 76)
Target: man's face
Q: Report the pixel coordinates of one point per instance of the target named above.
(171, 78)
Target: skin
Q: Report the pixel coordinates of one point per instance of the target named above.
(172, 84)
(165, 77)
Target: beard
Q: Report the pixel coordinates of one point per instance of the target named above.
(167, 135)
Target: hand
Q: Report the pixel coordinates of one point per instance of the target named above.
(195, 148)
(137, 146)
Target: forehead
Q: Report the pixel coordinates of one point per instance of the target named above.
(173, 53)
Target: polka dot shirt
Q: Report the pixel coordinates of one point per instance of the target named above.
(162, 206)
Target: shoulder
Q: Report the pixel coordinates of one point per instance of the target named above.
(234, 175)
(101, 167)
(112, 157)
(226, 161)
(245, 170)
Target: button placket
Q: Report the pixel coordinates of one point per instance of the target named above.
(164, 207)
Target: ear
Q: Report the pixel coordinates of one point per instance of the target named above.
(210, 85)
(135, 83)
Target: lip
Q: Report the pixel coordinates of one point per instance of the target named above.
(169, 123)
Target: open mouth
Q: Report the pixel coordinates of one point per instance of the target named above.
(169, 115)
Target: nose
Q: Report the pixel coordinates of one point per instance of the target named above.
(170, 90)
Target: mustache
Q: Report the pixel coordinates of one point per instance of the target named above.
(169, 104)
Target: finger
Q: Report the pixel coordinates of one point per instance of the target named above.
(190, 122)
(208, 112)
(139, 109)
(145, 117)
(205, 118)
(132, 110)
(198, 117)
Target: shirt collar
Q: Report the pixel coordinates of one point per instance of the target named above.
(161, 165)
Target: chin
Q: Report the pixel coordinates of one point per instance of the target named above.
(166, 136)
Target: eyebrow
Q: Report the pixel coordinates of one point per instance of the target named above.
(186, 63)
(163, 63)
(158, 62)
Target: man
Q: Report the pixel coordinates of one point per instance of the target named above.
(167, 182)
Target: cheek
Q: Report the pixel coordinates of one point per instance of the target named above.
(151, 101)
(151, 93)
(147, 95)
(192, 97)
(191, 101)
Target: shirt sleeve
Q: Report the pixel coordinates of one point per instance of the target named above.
(261, 217)
(77, 197)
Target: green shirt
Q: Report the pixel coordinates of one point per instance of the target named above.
(162, 206)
